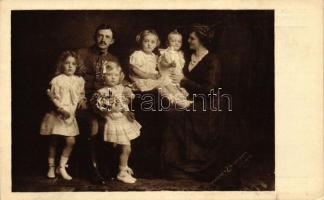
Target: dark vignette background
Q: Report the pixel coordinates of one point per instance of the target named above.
(244, 40)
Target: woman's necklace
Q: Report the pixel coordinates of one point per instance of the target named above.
(195, 58)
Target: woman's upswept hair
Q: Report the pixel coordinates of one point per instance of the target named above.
(64, 55)
(140, 37)
(204, 34)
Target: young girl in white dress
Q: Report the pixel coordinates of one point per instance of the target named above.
(143, 62)
(120, 127)
(171, 61)
(67, 94)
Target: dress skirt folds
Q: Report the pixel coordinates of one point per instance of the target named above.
(192, 142)
(120, 130)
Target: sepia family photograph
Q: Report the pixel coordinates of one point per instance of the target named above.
(142, 100)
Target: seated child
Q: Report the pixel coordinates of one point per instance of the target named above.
(170, 62)
(145, 70)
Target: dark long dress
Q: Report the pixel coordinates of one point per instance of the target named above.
(192, 139)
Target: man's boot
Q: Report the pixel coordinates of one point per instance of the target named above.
(93, 144)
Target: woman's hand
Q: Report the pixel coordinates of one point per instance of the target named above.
(176, 78)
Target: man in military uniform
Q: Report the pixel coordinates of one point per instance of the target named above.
(93, 59)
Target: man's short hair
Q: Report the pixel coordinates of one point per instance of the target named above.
(101, 27)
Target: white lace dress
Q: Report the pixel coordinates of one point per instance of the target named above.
(118, 128)
(67, 92)
(146, 63)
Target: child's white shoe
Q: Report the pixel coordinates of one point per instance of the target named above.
(125, 177)
(61, 170)
(51, 171)
(131, 172)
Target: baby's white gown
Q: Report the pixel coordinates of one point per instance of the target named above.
(169, 55)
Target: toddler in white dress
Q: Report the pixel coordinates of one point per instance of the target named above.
(67, 94)
(143, 62)
(120, 127)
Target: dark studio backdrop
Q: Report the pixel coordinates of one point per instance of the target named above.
(244, 41)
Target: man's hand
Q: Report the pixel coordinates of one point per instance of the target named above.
(128, 93)
(82, 104)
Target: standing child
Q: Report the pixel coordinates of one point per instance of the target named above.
(120, 127)
(171, 61)
(67, 94)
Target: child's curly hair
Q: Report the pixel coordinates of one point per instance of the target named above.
(64, 55)
(140, 37)
(110, 67)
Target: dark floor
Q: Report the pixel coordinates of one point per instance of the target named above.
(253, 178)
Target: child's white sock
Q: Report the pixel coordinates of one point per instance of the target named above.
(51, 162)
(51, 168)
(63, 161)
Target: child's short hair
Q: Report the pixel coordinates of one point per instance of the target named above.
(110, 68)
(141, 35)
(64, 55)
(174, 32)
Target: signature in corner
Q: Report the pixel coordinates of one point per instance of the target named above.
(238, 163)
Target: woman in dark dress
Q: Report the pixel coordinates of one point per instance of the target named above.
(192, 141)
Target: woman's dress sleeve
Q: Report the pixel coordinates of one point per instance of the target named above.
(211, 79)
